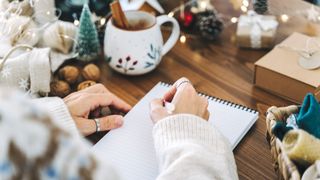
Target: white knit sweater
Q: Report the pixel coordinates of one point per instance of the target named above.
(187, 147)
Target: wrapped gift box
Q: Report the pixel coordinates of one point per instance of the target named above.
(256, 31)
(279, 71)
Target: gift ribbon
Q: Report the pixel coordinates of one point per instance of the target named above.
(258, 25)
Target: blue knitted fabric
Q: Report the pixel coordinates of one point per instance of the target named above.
(280, 129)
(308, 119)
(309, 116)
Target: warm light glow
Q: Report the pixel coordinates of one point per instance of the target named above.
(244, 9)
(183, 39)
(76, 22)
(234, 19)
(171, 14)
(48, 13)
(102, 21)
(203, 5)
(284, 18)
(245, 3)
(318, 18)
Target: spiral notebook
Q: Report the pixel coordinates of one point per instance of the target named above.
(130, 149)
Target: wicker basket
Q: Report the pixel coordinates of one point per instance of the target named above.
(284, 167)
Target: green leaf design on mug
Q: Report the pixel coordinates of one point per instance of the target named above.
(154, 55)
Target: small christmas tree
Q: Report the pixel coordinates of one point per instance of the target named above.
(87, 45)
(260, 6)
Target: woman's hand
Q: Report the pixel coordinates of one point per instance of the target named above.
(185, 99)
(82, 103)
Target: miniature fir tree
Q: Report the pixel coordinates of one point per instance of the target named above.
(87, 45)
(260, 6)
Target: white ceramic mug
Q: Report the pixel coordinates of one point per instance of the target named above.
(135, 52)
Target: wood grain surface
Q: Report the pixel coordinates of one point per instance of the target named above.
(219, 69)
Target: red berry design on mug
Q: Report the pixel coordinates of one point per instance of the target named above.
(126, 66)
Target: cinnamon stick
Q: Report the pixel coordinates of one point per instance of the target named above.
(118, 16)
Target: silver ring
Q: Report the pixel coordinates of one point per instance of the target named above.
(98, 128)
(184, 81)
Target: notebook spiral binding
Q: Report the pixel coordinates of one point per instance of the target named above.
(222, 101)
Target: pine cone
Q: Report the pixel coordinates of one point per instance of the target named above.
(260, 6)
(209, 24)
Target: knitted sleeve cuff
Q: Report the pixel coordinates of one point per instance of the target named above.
(59, 113)
(186, 128)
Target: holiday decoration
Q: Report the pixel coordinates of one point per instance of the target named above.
(87, 45)
(20, 30)
(256, 31)
(198, 18)
(45, 11)
(209, 24)
(91, 72)
(260, 6)
(69, 73)
(85, 84)
(30, 71)
(59, 36)
(186, 19)
(22, 7)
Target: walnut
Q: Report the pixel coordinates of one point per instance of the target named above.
(85, 84)
(59, 88)
(69, 74)
(91, 72)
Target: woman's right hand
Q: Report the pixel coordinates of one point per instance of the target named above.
(185, 100)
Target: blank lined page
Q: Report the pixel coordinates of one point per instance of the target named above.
(130, 149)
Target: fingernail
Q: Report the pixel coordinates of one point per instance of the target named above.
(119, 121)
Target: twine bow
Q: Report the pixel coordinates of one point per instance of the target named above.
(258, 25)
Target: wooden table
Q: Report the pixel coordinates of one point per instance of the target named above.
(219, 69)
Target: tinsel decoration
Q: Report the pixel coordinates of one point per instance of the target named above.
(209, 24)
(260, 6)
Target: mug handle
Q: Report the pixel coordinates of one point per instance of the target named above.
(174, 34)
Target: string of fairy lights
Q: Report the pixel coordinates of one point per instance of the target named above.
(229, 20)
(311, 15)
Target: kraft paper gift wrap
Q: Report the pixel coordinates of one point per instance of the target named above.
(256, 31)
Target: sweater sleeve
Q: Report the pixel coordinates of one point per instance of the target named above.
(189, 147)
(59, 113)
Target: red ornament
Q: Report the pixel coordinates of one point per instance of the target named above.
(186, 18)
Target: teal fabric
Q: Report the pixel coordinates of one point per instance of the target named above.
(309, 116)
(280, 129)
(307, 119)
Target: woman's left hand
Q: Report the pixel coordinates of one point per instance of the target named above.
(82, 103)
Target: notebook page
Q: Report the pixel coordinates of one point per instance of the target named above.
(232, 120)
(130, 149)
